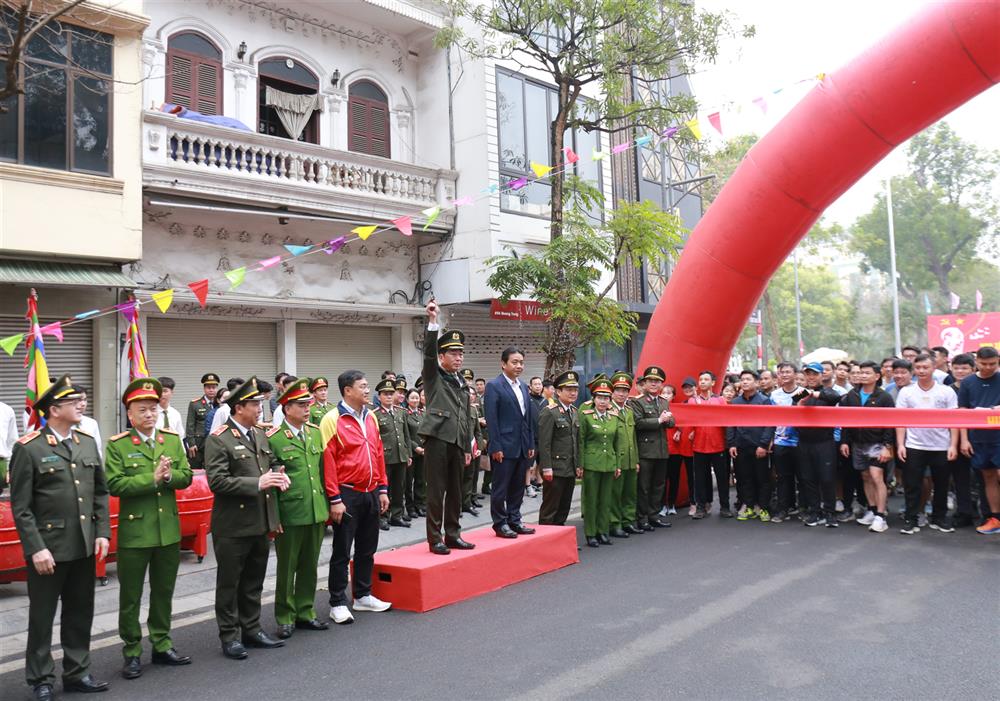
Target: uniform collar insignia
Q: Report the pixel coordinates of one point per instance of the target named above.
(159, 438)
(288, 433)
(51, 439)
(236, 432)
(135, 440)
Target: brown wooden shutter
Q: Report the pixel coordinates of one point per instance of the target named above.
(194, 82)
(368, 127)
(180, 80)
(209, 98)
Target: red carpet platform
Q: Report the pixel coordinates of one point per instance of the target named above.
(413, 579)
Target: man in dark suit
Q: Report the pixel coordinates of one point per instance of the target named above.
(511, 418)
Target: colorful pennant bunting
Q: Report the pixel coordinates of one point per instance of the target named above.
(431, 213)
(715, 119)
(334, 245)
(571, 156)
(84, 315)
(955, 301)
(236, 277)
(54, 329)
(296, 250)
(621, 147)
(163, 299)
(761, 103)
(364, 232)
(643, 140)
(11, 343)
(404, 224)
(598, 155)
(539, 170)
(200, 290)
(694, 128)
(38, 370)
(517, 183)
(268, 262)
(462, 201)
(979, 300)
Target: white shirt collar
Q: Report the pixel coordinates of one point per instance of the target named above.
(143, 437)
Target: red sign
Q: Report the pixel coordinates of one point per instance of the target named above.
(964, 333)
(518, 310)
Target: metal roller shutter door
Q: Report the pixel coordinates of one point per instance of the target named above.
(485, 339)
(328, 350)
(185, 349)
(74, 356)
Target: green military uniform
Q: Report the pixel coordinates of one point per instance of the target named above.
(195, 429)
(624, 489)
(149, 531)
(651, 437)
(416, 485)
(303, 509)
(317, 411)
(242, 516)
(471, 475)
(599, 448)
(392, 426)
(59, 500)
(558, 443)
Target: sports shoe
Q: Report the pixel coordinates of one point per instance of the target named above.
(992, 525)
(813, 521)
(867, 519)
(699, 513)
(778, 517)
(663, 511)
(922, 521)
(845, 516)
(530, 491)
(671, 511)
(832, 523)
(743, 514)
(764, 516)
(341, 615)
(692, 510)
(839, 506)
(943, 525)
(910, 528)
(878, 525)
(794, 511)
(370, 603)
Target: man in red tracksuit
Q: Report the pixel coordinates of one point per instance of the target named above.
(709, 454)
(356, 485)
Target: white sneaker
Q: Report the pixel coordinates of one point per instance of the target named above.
(671, 511)
(663, 511)
(878, 525)
(530, 491)
(341, 615)
(867, 519)
(692, 510)
(839, 506)
(922, 520)
(370, 603)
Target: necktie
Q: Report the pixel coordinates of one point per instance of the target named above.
(68, 442)
(149, 442)
(250, 440)
(166, 418)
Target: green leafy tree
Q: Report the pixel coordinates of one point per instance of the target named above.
(567, 276)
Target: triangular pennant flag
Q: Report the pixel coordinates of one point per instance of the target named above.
(200, 290)
(127, 309)
(11, 343)
(334, 245)
(364, 232)
(490, 189)
(571, 156)
(622, 147)
(84, 315)
(236, 276)
(163, 299)
(517, 184)
(296, 250)
(268, 262)
(927, 304)
(461, 201)
(761, 103)
(404, 224)
(597, 155)
(820, 76)
(715, 119)
(694, 127)
(979, 300)
(643, 140)
(431, 213)
(539, 170)
(955, 301)
(669, 131)
(54, 329)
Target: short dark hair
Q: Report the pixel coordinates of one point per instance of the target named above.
(941, 350)
(279, 377)
(890, 359)
(827, 363)
(480, 379)
(547, 383)
(786, 364)
(234, 382)
(987, 352)
(752, 373)
(348, 378)
(264, 387)
(412, 390)
(535, 377)
(902, 363)
(289, 379)
(875, 367)
(923, 358)
(964, 359)
(385, 374)
(509, 351)
(845, 363)
(910, 348)
(167, 382)
(707, 372)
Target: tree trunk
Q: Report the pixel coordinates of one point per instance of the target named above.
(556, 160)
(560, 349)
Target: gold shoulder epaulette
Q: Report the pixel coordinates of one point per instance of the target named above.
(587, 411)
(273, 431)
(612, 412)
(29, 437)
(84, 433)
(119, 436)
(220, 430)
(310, 423)
(168, 430)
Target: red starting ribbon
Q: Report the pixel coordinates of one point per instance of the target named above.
(690, 415)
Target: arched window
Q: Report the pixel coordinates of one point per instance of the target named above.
(288, 76)
(368, 119)
(194, 73)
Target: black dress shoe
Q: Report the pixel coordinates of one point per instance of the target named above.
(458, 544)
(406, 517)
(593, 543)
(603, 539)
(383, 524)
(505, 531)
(439, 549)
(470, 510)
(262, 640)
(132, 669)
(171, 658)
(234, 650)
(314, 624)
(86, 685)
(285, 630)
(412, 514)
(421, 512)
(657, 523)
(618, 533)
(42, 692)
(629, 528)
(521, 529)
(399, 523)
(647, 526)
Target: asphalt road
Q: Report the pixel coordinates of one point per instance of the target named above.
(711, 609)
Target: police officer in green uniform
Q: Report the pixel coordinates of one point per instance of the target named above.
(623, 497)
(59, 500)
(319, 387)
(392, 425)
(195, 428)
(600, 466)
(303, 508)
(416, 487)
(245, 477)
(145, 468)
(558, 443)
(652, 418)
(470, 504)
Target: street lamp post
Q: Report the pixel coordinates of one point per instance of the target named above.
(892, 268)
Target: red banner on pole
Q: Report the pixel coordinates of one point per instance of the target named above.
(963, 333)
(518, 310)
(690, 415)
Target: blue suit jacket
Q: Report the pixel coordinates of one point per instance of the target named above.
(509, 430)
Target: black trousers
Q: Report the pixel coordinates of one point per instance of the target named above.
(239, 580)
(73, 584)
(444, 465)
(652, 482)
(396, 472)
(674, 463)
(819, 477)
(557, 497)
(961, 477)
(361, 532)
(917, 462)
(851, 482)
(416, 488)
(469, 478)
(704, 465)
(753, 478)
(788, 468)
(507, 493)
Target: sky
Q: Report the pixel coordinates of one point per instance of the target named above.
(796, 39)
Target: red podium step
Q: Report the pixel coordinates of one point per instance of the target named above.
(414, 579)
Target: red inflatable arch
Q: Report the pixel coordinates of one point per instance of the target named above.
(938, 60)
